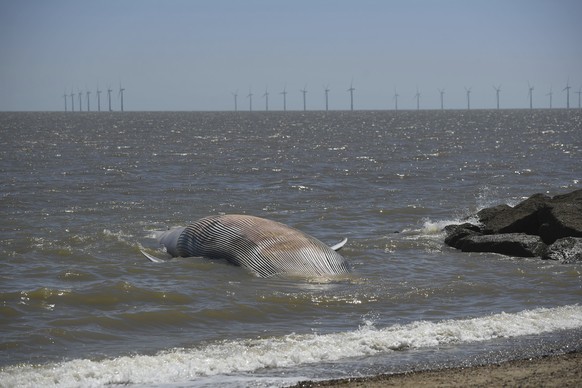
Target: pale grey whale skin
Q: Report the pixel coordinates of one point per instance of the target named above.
(266, 248)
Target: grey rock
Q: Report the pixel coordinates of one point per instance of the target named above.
(560, 220)
(456, 233)
(511, 244)
(566, 250)
(523, 218)
(549, 227)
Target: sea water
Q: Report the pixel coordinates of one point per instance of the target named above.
(82, 193)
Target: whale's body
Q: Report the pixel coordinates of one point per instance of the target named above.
(267, 248)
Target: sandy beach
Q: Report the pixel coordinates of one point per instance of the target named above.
(550, 371)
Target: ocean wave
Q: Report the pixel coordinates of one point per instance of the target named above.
(243, 356)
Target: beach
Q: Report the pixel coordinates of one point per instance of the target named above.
(563, 370)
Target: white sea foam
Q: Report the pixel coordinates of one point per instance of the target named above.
(232, 357)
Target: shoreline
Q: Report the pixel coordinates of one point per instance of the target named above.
(563, 370)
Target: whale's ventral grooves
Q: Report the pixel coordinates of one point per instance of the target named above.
(266, 247)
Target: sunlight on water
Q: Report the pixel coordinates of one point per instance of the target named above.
(83, 194)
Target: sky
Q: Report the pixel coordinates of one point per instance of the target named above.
(179, 55)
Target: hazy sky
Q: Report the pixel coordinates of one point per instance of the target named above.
(191, 55)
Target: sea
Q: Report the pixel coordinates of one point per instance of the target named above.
(82, 193)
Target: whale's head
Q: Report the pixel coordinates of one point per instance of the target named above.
(169, 239)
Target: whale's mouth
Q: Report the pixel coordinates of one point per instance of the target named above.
(169, 239)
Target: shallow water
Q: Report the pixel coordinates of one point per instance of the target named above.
(82, 193)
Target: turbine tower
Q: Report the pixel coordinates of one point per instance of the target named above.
(121, 90)
(417, 96)
(442, 92)
(88, 103)
(468, 97)
(567, 89)
(65, 97)
(250, 97)
(530, 94)
(72, 101)
(284, 93)
(304, 91)
(326, 89)
(266, 95)
(497, 90)
(550, 94)
(395, 99)
(235, 95)
(109, 90)
(98, 99)
(351, 90)
(579, 92)
(80, 106)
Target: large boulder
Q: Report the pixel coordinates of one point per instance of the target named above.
(562, 218)
(511, 244)
(523, 218)
(566, 250)
(457, 233)
(537, 226)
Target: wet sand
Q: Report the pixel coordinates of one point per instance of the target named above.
(549, 371)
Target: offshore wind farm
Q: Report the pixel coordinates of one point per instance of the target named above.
(184, 57)
(87, 93)
(390, 102)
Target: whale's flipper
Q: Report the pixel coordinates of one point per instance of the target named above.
(339, 245)
(152, 258)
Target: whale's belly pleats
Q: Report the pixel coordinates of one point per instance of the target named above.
(265, 247)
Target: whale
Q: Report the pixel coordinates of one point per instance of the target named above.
(264, 247)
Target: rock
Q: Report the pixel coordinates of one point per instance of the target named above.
(511, 244)
(561, 220)
(490, 215)
(539, 226)
(523, 218)
(566, 250)
(456, 233)
(571, 197)
(551, 218)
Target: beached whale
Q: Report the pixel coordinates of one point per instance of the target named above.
(267, 248)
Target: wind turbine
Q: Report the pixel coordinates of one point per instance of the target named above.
(579, 92)
(550, 94)
(266, 95)
(65, 97)
(250, 97)
(417, 96)
(235, 95)
(497, 90)
(304, 91)
(109, 90)
(530, 94)
(284, 93)
(567, 89)
(72, 101)
(88, 103)
(468, 97)
(442, 92)
(121, 90)
(351, 90)
(326, 89)
(395, 99)
(80, 106)
(98, 99)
